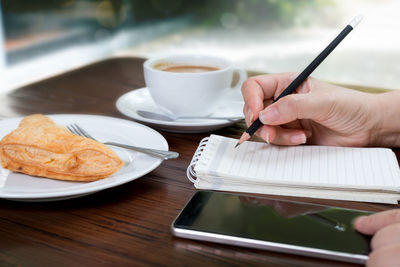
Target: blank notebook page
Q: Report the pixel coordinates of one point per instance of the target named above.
(320, 166)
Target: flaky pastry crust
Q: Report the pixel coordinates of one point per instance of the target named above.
(40, 147)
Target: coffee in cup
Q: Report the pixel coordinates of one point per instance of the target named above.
(184, 68)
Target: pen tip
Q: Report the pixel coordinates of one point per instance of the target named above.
(245, 136)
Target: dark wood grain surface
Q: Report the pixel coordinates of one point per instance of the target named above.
(128, 225)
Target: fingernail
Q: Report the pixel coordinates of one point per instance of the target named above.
(251, 115)
(298, 139)
(269, 115)
(264, 135)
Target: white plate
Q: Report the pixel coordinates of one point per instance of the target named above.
(140, 99)
(16, 186)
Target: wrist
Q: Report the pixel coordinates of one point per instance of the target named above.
(386, 132)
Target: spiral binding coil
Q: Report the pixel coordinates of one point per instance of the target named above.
(190, 172)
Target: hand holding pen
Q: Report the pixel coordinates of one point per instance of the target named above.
(291, 86)
(317, 113)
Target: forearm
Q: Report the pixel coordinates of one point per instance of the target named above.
(387, 132)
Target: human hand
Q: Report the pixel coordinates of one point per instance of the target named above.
(385, 226)
(317, 113)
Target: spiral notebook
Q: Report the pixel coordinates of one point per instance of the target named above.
(343, 173)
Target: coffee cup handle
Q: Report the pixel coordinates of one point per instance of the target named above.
(242, 77)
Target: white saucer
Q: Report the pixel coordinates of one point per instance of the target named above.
(22, 187)
(140, 99)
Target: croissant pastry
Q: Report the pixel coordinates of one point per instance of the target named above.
(39, 147)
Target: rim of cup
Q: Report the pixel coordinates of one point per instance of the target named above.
(225, 64)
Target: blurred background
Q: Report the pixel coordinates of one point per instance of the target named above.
(42, 38)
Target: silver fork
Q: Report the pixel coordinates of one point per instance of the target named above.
(163, 154)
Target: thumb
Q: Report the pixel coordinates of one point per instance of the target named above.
(292, 107)
(371, 224)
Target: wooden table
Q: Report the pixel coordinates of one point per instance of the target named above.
(129, 224)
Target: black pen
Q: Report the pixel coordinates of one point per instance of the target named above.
(304, 75)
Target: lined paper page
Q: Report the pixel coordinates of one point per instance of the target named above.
(359, 168)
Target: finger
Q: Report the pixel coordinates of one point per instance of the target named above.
(296, 106)
(297, 125)
(261, 132)
(253, 116)
(288, 137)
(264, 132)
(253, 98)
(274, 84)
(387, 236)
(281, 136)
(385, 256)
(258, 88)
(371, 224)
(248, 116)
(292, 125)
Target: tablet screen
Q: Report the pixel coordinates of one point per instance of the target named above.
(278, 221)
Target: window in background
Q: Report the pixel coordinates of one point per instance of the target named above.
(46, 37)
(283, 36)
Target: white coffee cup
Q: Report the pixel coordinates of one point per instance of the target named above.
(190, 93)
